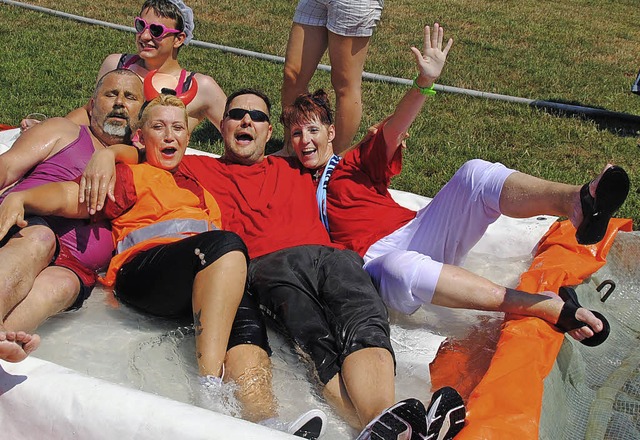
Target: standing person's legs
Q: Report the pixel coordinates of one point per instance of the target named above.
(347, 56)
(305, 48)
(350, 25)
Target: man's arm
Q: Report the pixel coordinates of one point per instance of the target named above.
(58, 198)
(34, 146)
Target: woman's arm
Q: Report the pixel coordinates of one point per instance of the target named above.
(430, 64)
(99, 177)
(213, 98)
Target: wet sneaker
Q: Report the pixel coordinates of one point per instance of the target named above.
(446, 414)
(406, 420)
(310, 425)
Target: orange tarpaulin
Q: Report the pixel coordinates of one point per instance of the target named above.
(507, 401)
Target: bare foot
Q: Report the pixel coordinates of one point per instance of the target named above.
(16, 346)
(588, 318)
(582, 314)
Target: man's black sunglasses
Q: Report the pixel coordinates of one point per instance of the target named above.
(237, 114)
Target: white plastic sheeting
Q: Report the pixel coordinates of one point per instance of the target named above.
(42, 400)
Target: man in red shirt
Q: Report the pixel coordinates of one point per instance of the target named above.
(315, 292)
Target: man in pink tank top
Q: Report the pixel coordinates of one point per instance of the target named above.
(48, 264)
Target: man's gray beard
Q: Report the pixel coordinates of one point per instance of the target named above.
(116, 130)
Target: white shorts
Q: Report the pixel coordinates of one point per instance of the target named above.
(343, 17)
(406, 264)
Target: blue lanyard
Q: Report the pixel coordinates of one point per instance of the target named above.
(321, 192)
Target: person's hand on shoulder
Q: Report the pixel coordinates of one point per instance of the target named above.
(98, 180)
(31, 120)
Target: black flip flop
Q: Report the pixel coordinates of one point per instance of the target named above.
(567, 320)
(611, 192)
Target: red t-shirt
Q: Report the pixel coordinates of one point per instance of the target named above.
(359, 206)
(271, 204)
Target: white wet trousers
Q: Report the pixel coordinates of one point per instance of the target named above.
(406, 264)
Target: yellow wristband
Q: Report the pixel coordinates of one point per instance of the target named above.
(426, 91)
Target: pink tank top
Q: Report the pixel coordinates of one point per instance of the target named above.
(90, 243)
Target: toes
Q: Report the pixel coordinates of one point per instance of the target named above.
(22, 337)
(586, 316)
(32, 345)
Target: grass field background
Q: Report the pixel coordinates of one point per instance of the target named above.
(578, 51)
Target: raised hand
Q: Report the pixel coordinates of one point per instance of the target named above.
(433, 56)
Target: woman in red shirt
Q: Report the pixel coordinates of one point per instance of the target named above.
(414, 257)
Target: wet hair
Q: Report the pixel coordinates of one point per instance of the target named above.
(166, 9)
(125, 72)
(306, 108)
(166, 100)
(248, 91)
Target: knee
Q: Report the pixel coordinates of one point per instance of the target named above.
(472, 168)
(346, 86)
(249, 367)
(41, 239)
(65, 287)
(290, 77)
(471, 173)
(233, 260)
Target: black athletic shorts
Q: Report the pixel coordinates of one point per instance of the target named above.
(159, 281)
(322, 299)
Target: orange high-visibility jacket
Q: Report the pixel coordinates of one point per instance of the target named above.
(163, 213)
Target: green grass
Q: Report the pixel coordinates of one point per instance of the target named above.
(577, 51)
